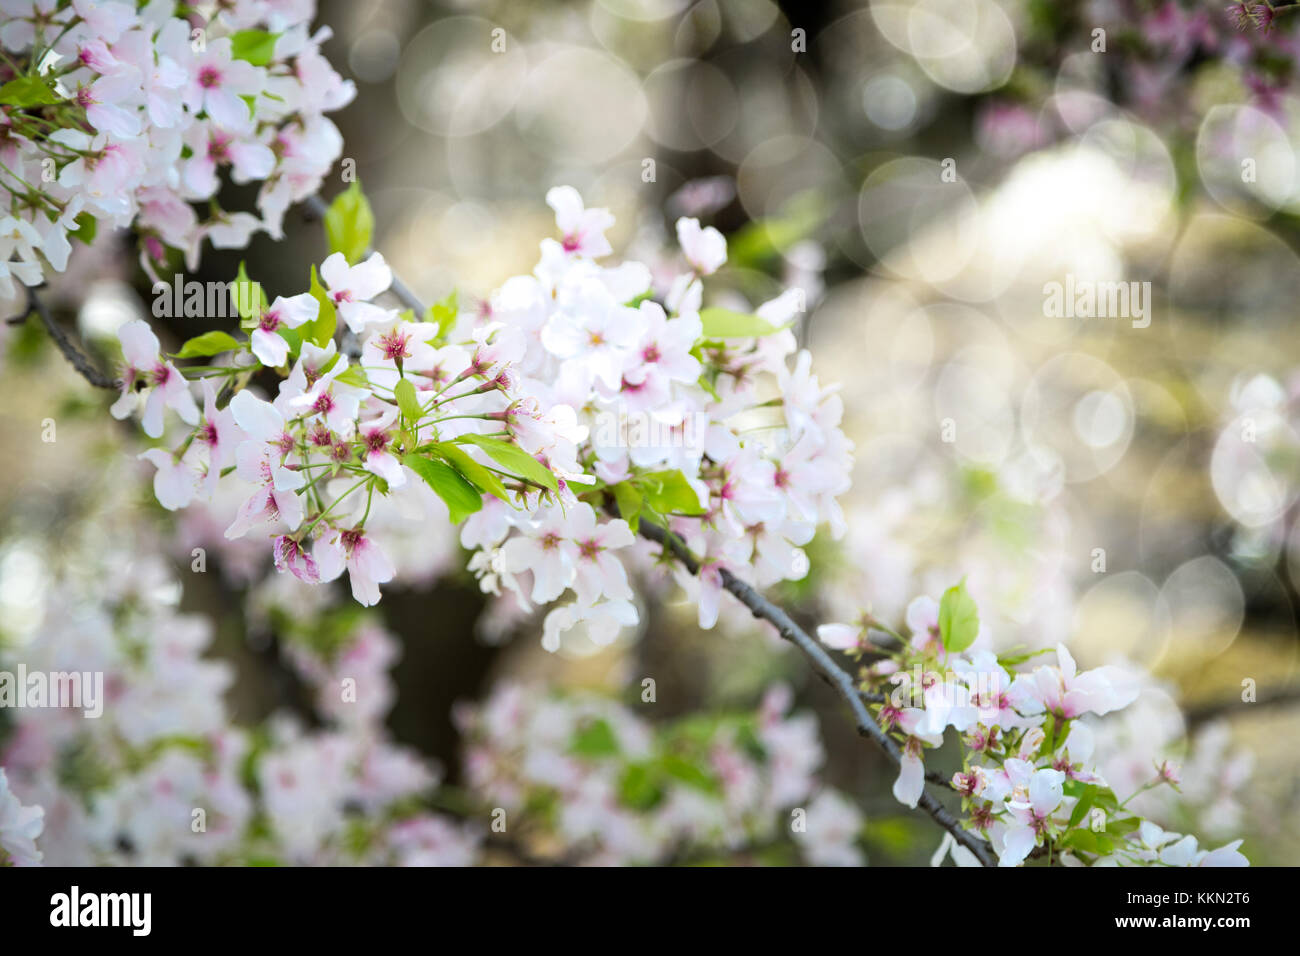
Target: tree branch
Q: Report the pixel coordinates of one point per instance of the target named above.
(764, 609)
(76, 358)
(829, 671)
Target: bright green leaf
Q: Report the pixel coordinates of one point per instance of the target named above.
(326, 321)
(726, 324)
(514, 460)
(959, 619)
(249, 299)
(407, 401)
(595, 740)
(629, 503)
(87, 227)
(688, 773)
(668, 492)
(481, 477)
(28, 91)
(637, 788)
(255, 46)
(353, 375)
(209, 343)
(443, 314)
(350, 223)
(461, 497)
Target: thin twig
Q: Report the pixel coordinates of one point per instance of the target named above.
(76, 358)
(829, 671)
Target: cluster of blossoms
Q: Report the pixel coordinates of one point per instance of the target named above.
(1029, 782)
(164, 777)
(116, 114)
(576, 402)
(592, 782)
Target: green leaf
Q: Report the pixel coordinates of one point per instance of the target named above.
(250, 300)
(349, 223)
(209, 343)
(255, 46)
(688, 773)
(443, 314)
(1088, 842)
(959, 619)
(1123, 826)
(763, 239)
(353, 375)
(629, 503)
(321, 329)
(407, 401)
(595, 740)
(87, 227)
(482, 478)
(668, 492)
(1082, 807)
(28, 91)
(726, 324)
(461, 497)
(638, 789)
(513, 459)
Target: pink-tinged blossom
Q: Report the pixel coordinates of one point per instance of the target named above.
(597, 571)
(267, 344)
(705, 249)
(840, 637)
(352, 287)
(376, 437)
(219, 434)
(218, 83)
(1033, 797)
(1066, 693)
(291, 556)
(367, 565)
(112, 103)
(213, 148)
(582, 230)
(150, 380)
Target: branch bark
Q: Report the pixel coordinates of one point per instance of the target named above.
(829, 671)
(76, 358)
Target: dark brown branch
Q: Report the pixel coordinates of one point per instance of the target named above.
(76, 358)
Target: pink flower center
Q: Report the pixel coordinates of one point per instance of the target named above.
(209, 77)
(394, 344)
(218, 147)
